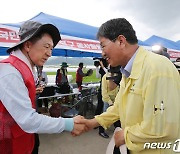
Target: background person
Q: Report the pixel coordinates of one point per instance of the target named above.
(79, 76)
(147, 103)
(42, 76)
(101, 70)
(163, 52)
(62, 80)
(110, 88)
(41, 83)
(19, 119)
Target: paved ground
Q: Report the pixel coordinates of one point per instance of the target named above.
(64, 143)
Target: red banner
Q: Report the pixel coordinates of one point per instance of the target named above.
(8, 36)
(174, 54)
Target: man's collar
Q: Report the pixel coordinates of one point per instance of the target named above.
(127, 69)
(138, 63)
(18, 53)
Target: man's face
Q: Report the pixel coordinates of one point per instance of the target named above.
(112, 51)
(40, 51)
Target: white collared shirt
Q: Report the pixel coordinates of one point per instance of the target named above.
(15, 97)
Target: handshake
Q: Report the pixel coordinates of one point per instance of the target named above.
(82, 125)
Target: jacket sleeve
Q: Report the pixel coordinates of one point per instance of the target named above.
(161, 113)
(107, 118)
(105, 95)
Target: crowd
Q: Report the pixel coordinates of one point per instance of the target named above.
(139, 91)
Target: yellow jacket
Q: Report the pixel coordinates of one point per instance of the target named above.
(107, 95)
(154, 84)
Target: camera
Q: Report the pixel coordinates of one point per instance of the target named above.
(114, 69)
(96, 63)
(114, 74)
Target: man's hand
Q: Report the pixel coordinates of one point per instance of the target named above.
(119, 138)
(79, 126)
(85, 124)
(39, 89)
(90, 123)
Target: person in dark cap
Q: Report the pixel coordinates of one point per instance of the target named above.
(18, 117)
(62, 80)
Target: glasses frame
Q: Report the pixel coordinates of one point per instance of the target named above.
(113, 40)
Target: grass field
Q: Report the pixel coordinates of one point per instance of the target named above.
(91, 78)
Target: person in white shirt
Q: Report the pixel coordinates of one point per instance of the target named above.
(101, 70)
(41, 83)
(19, 119)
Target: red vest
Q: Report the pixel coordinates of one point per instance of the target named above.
(79, 78)
(59, 76)
(13, 140)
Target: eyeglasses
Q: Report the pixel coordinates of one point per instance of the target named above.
(102, 46)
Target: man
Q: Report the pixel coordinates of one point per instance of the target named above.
(109, 91)
(148, 101)
(61, 74)
(80, 75)
(101, 70)
(109, 87)
(62, 80)
(41, 83)
(19, 119)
